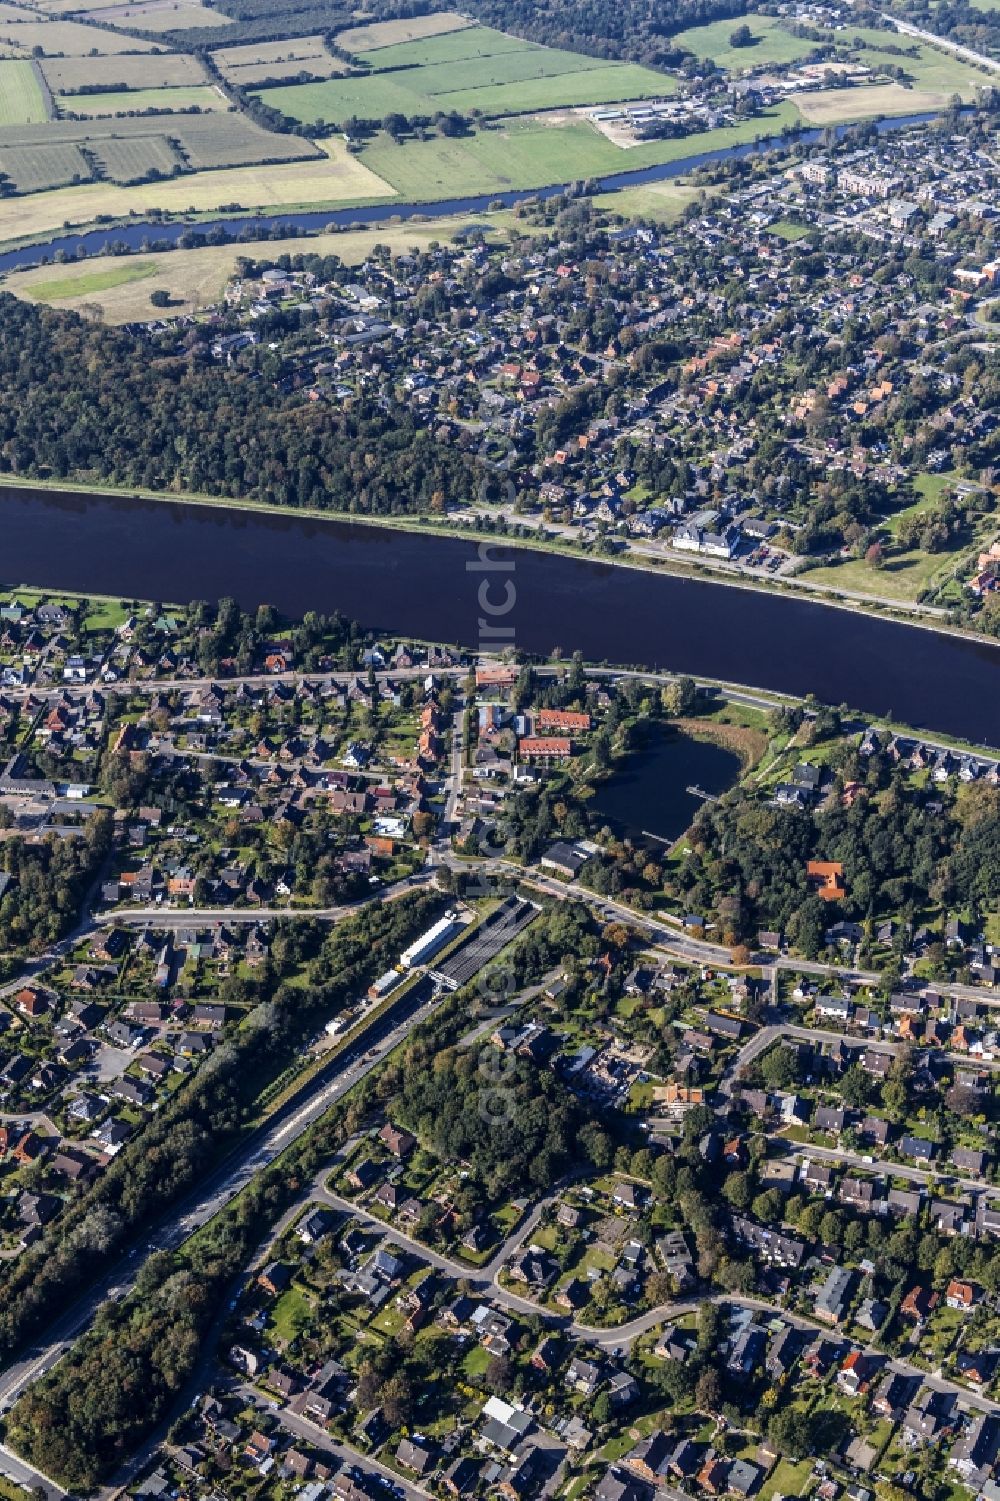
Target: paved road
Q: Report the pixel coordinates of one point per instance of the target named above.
(979, 58)
(253, 1155)
(319, 1438)
(26, 1476)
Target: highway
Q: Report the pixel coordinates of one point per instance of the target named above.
(967, 54)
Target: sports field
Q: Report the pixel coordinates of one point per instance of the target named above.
(388, 33)
(21, 99)
(130, 101)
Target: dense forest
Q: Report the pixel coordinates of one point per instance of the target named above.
(639, 29)
(79, 401)
(902, 851)
(48, 884)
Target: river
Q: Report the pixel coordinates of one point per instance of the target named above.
(428, 587)
(138, 234)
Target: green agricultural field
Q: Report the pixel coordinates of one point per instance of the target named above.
(532, 154)
(516, 81)
(60, 288)
(21, 99)
(133, 101)
(340, 98)
(472, 41)
(608, 85)
(772, 43)
(486, 72)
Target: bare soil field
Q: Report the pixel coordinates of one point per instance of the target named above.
(163, 15)
(67, 39)
(256, 61)
(161, 70)
(388, 33)
(831, 106)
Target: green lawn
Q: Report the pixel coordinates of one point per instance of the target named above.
(129, 101)
(21, 99)
(772, 43)
(905, 575)
(786, 230)
(98, 281)
(290, 1315)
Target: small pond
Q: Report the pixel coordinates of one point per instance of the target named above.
(650, 796)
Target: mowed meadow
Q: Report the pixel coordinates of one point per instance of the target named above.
(474, 68)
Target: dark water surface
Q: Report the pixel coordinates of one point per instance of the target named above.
(421, 585)
(650, 796)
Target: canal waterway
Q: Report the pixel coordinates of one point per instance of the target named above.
(432, 588)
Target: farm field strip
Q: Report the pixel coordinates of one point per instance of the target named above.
(22, 100)
(132, 160)
(68, 38)
(159, 70)
(333, 179)
(611, 85)
(254, 62)
(204, 96)
(388, 33)
(33, 169)
(158, 17)
(453, 46)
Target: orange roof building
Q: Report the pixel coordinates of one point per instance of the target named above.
(827, 879)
